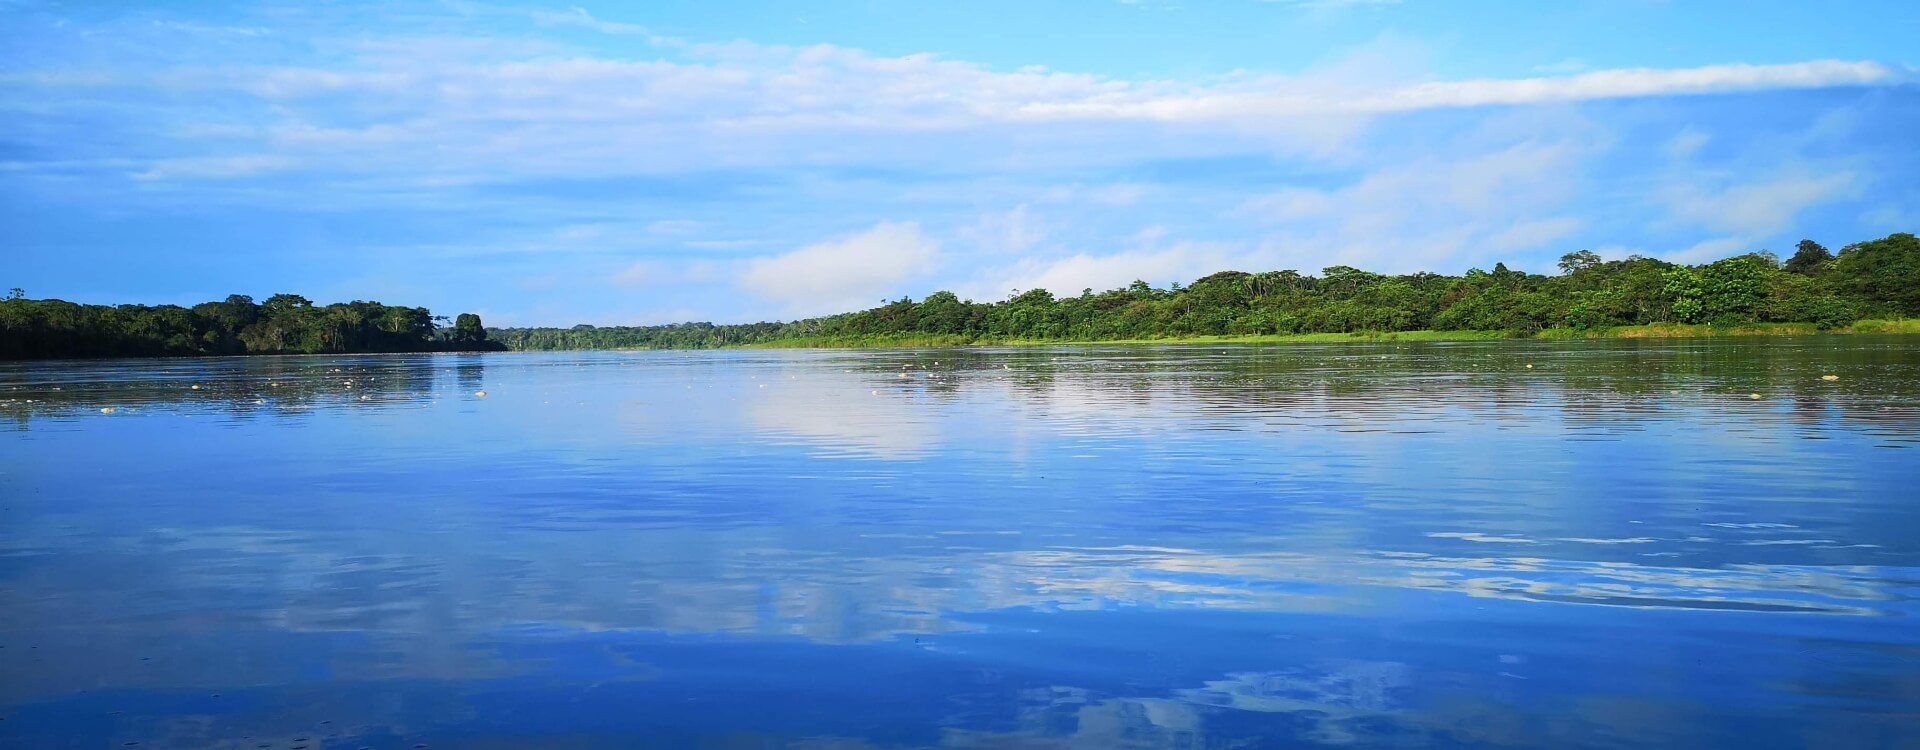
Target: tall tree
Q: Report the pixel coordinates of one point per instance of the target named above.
(1808, 257)
(1579, 260)
(467, 329)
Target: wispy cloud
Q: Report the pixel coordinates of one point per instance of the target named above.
(577, 16)
(1278, 97)
(194, 28)
(578, 157)
(1471, 207)
(1153, 260)
(1332, 4)
(216, 167)
(1686, 143)
(848, 273)
(1756, 209)
(1012, 231)
(744, 104)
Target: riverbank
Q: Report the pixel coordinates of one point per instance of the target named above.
(1655, 331)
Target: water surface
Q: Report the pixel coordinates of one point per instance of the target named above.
(1502, 544)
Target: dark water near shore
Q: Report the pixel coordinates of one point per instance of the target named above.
(1093, 547)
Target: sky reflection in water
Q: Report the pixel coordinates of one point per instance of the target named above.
(1367, 545)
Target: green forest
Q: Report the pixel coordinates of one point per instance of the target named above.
(1874, 280)
(1824, 290)
(283, 324)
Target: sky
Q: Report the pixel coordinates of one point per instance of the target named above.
(642, 163)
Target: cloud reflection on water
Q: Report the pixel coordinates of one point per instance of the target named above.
(595, 519)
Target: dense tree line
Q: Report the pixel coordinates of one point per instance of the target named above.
(1876, 279)
(283, 324)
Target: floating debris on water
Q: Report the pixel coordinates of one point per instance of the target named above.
(1829, 377)
(106, 410)
(1754, 396)
(195, 386)
(481, 394)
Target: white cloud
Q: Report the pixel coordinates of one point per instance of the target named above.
(1434, 213)
(1532, 235)
(1284, 96)
(595, 156)
(1755, 209)
(1008, 232)
(1892, 217)
(578, 16)
(218, 167)
(1118, 194)
(643, 273)
(1151, 255)
(1639, 82)
(1068, 276)
(1684, 144)
(1111, 194)
(194, 28)
(1289, 203)
(472, 109)
(849, 273)
(1707, 251)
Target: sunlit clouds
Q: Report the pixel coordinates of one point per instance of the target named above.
(573, 164)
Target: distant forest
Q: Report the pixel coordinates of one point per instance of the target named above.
(1868, 280)
(283, 324)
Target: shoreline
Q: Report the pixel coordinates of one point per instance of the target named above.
(1651, 331)
(938, 341)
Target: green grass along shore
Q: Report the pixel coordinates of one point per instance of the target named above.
(1654, 331)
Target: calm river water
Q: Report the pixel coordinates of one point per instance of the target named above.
(1507, 544)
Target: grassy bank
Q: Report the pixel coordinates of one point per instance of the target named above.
(1680, 331)
(906, 341)
(919, 341)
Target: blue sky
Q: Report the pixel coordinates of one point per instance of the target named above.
(656, 162)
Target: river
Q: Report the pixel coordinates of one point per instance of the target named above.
(1691, 543)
